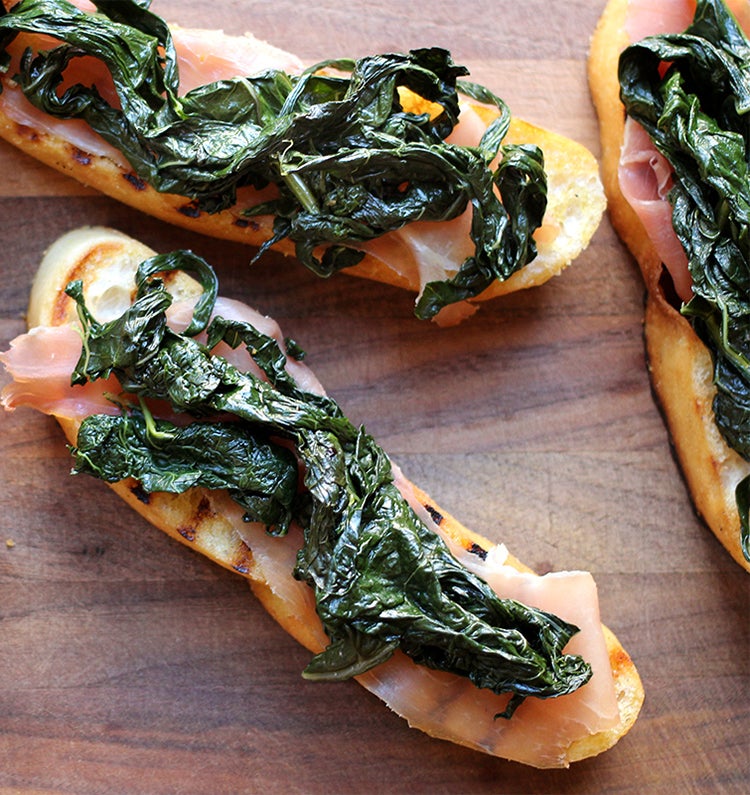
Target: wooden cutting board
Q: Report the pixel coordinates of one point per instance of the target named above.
(128, 664)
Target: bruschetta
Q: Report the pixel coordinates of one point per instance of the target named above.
(675, 220)
(574, 692)
(441, 191)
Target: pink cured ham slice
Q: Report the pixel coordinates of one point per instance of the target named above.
(649, 18)
(645, 180)
(41, 362)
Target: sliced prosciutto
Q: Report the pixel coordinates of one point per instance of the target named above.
(41, 362)
(645, 180)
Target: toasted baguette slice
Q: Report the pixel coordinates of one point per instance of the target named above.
(210, 523)
(575, 196)
(680, 366)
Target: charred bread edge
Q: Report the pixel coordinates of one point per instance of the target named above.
(679, 364)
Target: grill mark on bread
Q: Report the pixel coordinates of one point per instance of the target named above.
(190, 210)
(81, 157)
(204, 509)
(203, 512)
(191, 526)
(437, 517)
(246, 223)
(242, 560)
(466, 543)
(140, 493)
(134, 180)
(87, 262)
(475, 549)
(188, 533)
(24, 131)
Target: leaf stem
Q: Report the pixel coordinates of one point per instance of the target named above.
(299, 188)
(153, 432)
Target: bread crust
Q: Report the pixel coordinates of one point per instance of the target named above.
(575, 198)
(105, 260)
(680, 366)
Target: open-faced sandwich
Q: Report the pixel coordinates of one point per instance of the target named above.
(206, 421)
(391, 167)
(671, 83)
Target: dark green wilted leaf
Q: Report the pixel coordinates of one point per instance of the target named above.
(260, 476)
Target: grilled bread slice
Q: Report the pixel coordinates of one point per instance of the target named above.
(210, 523)
(575, 196)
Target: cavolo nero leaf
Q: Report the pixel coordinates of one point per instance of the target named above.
(349, 163)
(382, 580)
(260, 476)
(691, 92)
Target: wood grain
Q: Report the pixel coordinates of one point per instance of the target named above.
(131, 665)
